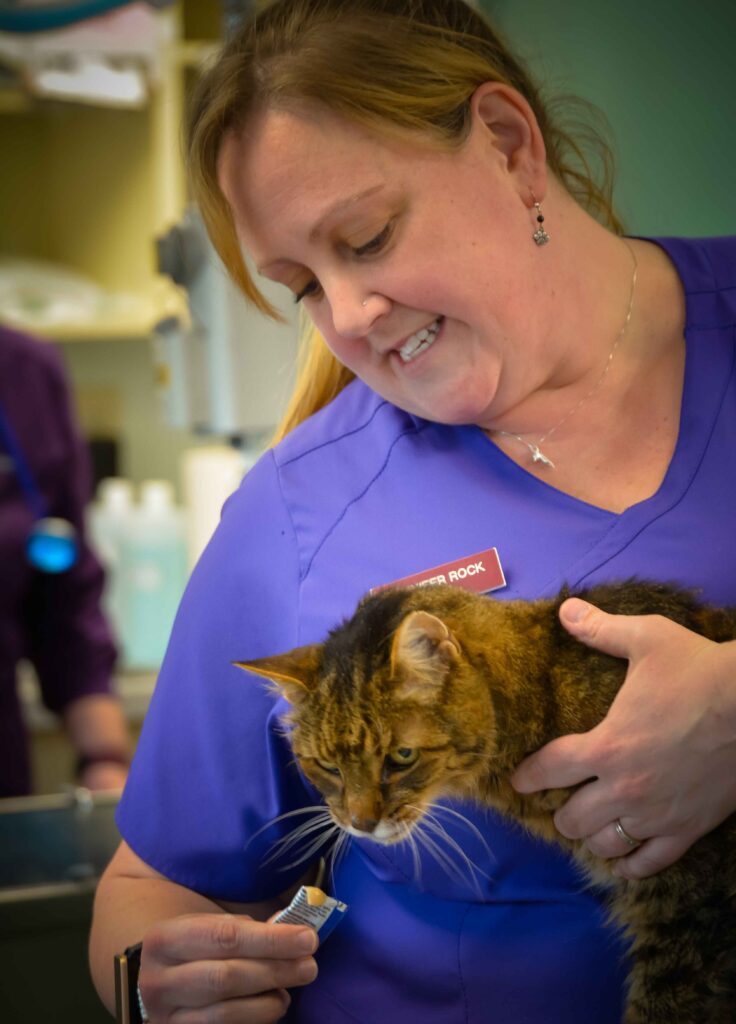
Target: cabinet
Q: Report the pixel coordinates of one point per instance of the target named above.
(90, 187)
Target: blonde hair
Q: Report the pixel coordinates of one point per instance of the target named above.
(392, 66)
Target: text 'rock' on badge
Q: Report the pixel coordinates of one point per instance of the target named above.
(480, 573)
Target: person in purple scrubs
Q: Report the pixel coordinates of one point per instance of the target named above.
(50, 611)
(492, 367)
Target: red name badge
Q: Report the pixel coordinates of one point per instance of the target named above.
(480, 573)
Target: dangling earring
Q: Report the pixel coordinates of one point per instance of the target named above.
(540, 236)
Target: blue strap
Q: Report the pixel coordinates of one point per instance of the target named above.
(26, 478)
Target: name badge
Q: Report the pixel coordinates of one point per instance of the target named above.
(480, 573)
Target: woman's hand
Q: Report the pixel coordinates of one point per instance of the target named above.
(223, 967)
(663, 761)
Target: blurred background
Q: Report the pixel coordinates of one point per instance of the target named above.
(176, 384)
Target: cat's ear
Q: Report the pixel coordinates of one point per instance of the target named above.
(424, 649)
(292, 674)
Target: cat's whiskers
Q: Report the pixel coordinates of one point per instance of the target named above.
(442, 808)
(438, 828)
(310, 809)
(443, 859)
(433, 824)
(312, 850)
(337, 853)
(410, 839)
(472, 868)
(322, 824)
(427, 824)
(320, 821)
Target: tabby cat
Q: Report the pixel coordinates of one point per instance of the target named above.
(437, 692)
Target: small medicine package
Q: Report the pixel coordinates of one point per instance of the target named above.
(313, 907)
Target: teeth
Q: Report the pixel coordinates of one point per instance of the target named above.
(419, 341)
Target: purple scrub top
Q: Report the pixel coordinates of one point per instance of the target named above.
(363, 494)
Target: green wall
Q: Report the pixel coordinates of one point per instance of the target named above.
(665, 76)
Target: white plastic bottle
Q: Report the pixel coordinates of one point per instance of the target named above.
(154, 574)
(108, 518)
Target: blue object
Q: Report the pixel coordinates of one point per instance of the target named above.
(52, 545)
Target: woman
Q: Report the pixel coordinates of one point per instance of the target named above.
(506, 372)
(50, 611)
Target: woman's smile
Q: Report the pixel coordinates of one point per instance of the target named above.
(420, 341)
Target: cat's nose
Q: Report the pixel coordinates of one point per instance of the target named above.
(363, 824)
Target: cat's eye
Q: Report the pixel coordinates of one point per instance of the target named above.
(328, 766)
(402, 757)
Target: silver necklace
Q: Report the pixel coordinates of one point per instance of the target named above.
(534, 447)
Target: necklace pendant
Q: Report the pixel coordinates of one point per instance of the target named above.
(538, 456)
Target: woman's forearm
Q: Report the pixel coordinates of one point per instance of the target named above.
(96, 726)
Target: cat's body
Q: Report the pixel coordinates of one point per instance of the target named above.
(436, 692)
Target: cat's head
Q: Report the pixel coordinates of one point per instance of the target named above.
(387, 715)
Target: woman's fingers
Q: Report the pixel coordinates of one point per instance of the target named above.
(215, 936)
(662, 759)
(215, 967)
(654, 855)
(205, 982)
(560, 763)
(611, 842)
(266, 1008)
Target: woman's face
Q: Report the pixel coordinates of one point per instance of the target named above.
(416, 265)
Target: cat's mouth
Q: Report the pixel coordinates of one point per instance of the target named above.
(386, 831)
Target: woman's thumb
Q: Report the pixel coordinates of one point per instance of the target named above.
(612, 634)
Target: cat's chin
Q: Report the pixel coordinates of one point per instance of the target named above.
(386, 833)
